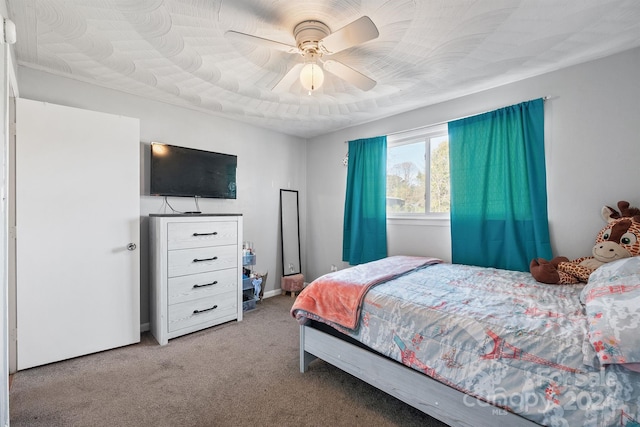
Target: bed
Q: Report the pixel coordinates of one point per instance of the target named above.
(475, 346)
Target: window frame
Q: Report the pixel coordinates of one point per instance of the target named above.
(423, 135)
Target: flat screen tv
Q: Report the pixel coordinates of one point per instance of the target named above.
(188, 172)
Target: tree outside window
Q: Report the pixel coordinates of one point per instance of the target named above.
(417, 161)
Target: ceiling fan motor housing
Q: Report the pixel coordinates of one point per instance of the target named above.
(308, 35)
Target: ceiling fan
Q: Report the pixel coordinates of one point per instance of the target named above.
(314, 41)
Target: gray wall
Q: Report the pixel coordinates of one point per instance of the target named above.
(267, 161)
(592, 137)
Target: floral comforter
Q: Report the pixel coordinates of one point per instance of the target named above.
(501, 336)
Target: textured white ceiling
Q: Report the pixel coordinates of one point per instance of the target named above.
(428, 51)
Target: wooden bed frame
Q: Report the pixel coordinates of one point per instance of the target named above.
(412, 387)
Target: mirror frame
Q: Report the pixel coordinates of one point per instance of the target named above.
(290, 237)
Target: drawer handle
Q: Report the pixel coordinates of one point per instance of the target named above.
(205, 259)
(205, 285)
(205, 234)
(205, 310)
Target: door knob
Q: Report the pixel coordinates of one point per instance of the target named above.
(131, 247)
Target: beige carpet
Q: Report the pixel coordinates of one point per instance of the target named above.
(236, 374)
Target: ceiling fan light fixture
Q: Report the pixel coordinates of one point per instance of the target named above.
(311, 77)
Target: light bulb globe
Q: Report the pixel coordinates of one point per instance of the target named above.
(311, 77)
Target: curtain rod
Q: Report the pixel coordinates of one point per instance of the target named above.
(544, 98)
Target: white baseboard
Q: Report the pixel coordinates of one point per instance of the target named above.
(272, 293)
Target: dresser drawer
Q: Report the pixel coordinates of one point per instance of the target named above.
(194, 286)
(182, 235)
(204, 310)
(199, 260)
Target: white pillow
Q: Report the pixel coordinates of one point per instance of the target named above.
(613, 315)
(611, 271)
(620, 268)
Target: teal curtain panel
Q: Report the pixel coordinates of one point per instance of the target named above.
(365, 210)
(498, 188)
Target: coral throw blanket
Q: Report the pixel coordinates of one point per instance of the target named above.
(336, 298)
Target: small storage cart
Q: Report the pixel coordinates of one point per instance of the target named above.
(252, 283)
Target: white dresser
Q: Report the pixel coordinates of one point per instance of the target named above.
(196, 269)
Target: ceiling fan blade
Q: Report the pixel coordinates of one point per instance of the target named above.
(348, 74)
(292, 75)
(261, 41)
(359, 31)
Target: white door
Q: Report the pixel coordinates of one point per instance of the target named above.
(78, 219)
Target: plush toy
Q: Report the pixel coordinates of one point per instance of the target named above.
(619, 238)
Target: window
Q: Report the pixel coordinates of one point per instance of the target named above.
(418, 172)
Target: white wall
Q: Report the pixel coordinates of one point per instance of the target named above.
(7, 290)
(267, 161)
(4, 238)
(592, 137)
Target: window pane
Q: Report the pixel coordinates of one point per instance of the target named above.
(418, 171)
(406, 178)
(439, 174)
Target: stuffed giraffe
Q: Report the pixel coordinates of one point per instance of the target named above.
(619, 238)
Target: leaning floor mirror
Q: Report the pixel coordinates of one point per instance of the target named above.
(290, 232)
